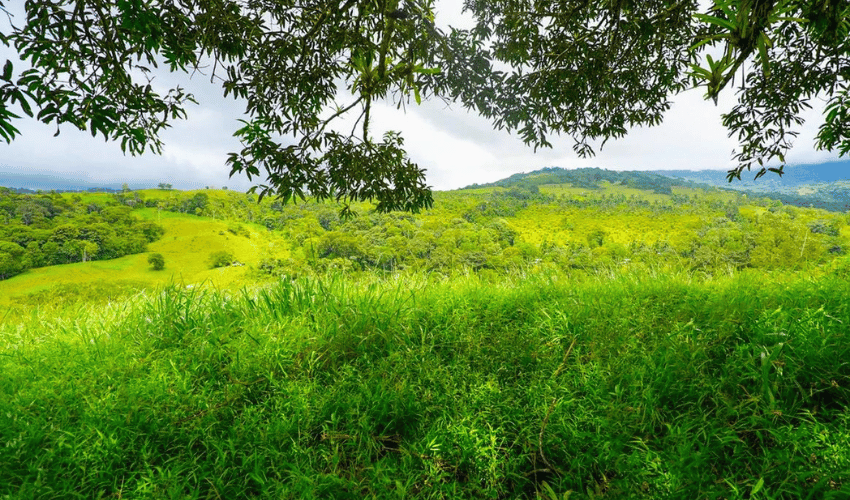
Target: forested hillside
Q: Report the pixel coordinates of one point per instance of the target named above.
(589, 178)
(51, 229)
(587, 224)
(585, 219)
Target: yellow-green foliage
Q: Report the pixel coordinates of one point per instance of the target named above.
(541, 223)
(605, 188)
(486, 229)
(186, 245)
(540, 385)
(608, 345)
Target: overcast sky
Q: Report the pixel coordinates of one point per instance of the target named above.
(456, 148)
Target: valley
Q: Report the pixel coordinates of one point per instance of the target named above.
(616, 336)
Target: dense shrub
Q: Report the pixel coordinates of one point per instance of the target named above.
(221, 258)
(51, 229)
(157, 261)
(639, 386)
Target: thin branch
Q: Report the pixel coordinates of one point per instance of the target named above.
(356, 122)
(335, 115)
(366, 112)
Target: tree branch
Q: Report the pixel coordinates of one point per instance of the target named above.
(336, 115)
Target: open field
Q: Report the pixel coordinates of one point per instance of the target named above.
(186, 245)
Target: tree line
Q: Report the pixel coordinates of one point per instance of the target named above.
(496, 229)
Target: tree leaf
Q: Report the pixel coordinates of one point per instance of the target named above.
(723, 23)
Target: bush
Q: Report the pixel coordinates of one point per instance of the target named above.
(283, 267)
(157, 261)
(151, 231)
(238, 230)
(222, 258)
(829, 228)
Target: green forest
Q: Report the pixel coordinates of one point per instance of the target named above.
(49, 229)
(587, 219)
(576, 334)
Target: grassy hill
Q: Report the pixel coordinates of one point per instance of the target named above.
(186, 245)
(590, 178)
(600, 218)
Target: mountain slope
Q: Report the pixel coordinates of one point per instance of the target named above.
(590, 178)
(824, 185)
(794, 176)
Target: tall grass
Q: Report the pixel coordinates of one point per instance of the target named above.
(549, 386)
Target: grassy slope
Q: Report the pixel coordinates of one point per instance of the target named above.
(189, 240)
(637, 386)
(186, 246)
(537, 223)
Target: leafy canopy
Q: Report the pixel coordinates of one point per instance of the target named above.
(587, 69)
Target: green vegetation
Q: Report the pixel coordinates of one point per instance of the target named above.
(157, 261)
(635, 386)
(221, 259)
(50, 229)
(596, 221)
(821, 186)
(588, 218)
(596, 339)
(589, 178)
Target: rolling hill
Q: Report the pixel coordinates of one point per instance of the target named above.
(586, 219)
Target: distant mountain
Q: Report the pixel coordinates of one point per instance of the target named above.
(31, 182)
(794, 176)
(21, 190)
(589, 178)
(823, 185)
(22, 181)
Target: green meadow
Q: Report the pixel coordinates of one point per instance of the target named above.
(531, 340)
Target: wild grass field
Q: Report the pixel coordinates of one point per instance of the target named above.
(538, 386)
(511, 343)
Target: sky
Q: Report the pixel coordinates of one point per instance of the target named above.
(457, 148)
